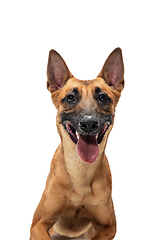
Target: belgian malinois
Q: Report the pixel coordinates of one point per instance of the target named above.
(77, 199)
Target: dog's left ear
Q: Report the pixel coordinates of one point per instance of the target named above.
(113, 70)
(57, 71)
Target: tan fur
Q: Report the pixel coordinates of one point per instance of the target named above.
(77, 198)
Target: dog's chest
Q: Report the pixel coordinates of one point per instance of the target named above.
(88, 196)
(80, 191)
(79, 195)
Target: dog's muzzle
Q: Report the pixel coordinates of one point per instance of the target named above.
(87, 135)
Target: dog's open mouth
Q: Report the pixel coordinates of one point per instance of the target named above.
(87, 145)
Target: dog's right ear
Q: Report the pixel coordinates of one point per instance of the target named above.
(57, 72)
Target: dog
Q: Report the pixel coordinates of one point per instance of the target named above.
(77, 198)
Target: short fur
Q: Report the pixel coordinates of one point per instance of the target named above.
(77, 199)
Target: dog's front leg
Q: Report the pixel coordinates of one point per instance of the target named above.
(40, 231)
(40, 226)
(46, 215)
(104, 232)
(105, 224)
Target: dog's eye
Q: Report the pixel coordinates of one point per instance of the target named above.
(70, 98)
(103, 97)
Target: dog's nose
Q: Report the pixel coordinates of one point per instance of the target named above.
(89, 124)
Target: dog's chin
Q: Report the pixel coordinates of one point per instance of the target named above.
(87, 145)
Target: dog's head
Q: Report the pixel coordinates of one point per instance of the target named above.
(86, 109)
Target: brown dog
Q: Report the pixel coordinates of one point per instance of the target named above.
(77, 198)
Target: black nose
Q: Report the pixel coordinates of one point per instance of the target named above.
(89, 124)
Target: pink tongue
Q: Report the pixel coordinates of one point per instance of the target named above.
(87, 148)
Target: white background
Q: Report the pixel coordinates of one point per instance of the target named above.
(84, 33)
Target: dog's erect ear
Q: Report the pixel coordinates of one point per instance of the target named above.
(57, 72)
(113, 70)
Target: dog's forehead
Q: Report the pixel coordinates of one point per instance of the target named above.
(87, 87)
(84, 85)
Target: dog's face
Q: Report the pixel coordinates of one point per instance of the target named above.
(86, 109)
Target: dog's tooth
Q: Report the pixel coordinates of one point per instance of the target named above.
(108, 123)
(77, 134)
